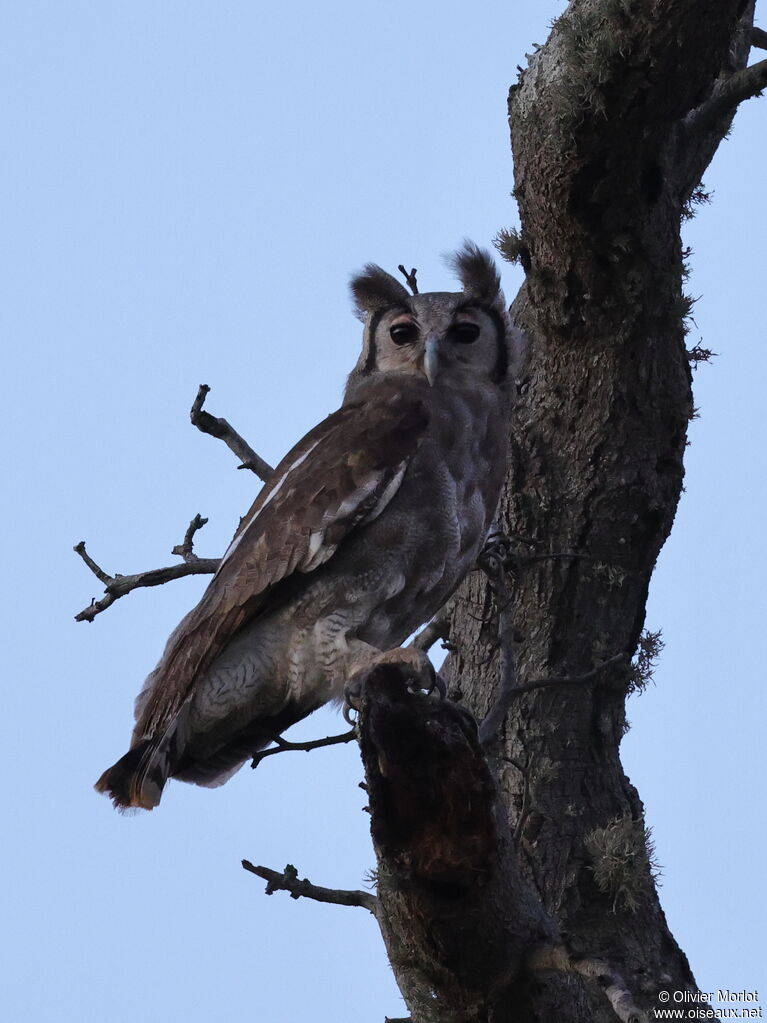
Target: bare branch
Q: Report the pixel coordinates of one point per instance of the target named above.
(185, 550)
(570, 680)
(727, 96)
(288, 881)
(497, 561)
(556, 957)
(283, 746)
(118, 585)
(410, 278)
(98, 572)
(759, 38)
(524, 559)
(222, 430)
(614, 987)
(438, 628)
(443, 848)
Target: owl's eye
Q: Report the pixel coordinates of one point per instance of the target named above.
(403, 333)
(464, 333)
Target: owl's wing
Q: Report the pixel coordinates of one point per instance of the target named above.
(340, 476)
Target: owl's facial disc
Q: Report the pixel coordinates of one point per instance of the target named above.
(443, 339)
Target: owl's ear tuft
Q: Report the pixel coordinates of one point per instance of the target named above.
(374, 289)
(477, 272)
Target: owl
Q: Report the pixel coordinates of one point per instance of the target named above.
(360, 535)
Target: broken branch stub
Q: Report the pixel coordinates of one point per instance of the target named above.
(450, 888)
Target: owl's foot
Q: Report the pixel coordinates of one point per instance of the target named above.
(413, 663)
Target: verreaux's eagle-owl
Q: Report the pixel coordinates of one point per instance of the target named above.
(362, 532)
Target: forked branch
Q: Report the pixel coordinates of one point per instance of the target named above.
(410, 278)
(284, 746)
(185, 549)
(117, 585)
(728, 96)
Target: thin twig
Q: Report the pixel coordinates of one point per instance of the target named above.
(741, 86)
(98, 572)
(288, 881)
(185, 550)
(523, 559)
(410, 278)
(508, 685)
(117, 586)
(498, 711)
(438, 628)
(222, 430)
(570, 680)
(283, 746)
(497, 560)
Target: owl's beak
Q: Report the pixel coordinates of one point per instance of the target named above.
(431, 359)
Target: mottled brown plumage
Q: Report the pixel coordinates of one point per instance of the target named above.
(363, 531)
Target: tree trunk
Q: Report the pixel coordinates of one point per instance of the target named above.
(518, 885)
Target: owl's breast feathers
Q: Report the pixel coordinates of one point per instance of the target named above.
(434, 527)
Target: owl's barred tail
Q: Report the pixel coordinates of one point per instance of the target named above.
(138, 778)
(119, 781)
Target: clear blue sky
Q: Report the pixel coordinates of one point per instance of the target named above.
(186, 188)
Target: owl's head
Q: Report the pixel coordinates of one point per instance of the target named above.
(460, 337)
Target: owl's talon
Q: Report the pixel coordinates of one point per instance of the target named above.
(435, 684)
(352, 696)
(416, 665)
(413, 664)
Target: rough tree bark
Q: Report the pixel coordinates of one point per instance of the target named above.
(516, 885)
